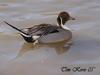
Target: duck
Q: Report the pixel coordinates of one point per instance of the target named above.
(47, 33)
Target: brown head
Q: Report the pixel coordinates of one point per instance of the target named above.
(63, 17)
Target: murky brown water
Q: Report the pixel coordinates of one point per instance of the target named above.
(20, 58)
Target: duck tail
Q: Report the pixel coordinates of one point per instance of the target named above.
(22, 32)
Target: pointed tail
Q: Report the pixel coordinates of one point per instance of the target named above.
(23, 33)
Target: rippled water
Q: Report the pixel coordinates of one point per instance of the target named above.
(20, 58)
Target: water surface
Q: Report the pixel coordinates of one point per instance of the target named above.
(20, 58)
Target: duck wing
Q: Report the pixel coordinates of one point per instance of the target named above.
(42, 29)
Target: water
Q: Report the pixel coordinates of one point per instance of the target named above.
(20, 58)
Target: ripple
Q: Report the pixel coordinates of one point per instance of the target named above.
(16, 16)
(25, 17)
(10, 5)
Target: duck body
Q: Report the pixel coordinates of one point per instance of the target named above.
(49, 33)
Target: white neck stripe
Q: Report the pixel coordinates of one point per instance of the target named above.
(64, 27)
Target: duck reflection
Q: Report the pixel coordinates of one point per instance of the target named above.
(59, 47)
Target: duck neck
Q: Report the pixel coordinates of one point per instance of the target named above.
(63, 26)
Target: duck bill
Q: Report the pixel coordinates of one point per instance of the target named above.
(16, 28)
(71, 18)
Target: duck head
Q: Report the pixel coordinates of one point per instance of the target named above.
(62, 18)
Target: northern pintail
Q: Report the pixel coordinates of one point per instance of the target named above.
(47, 33)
